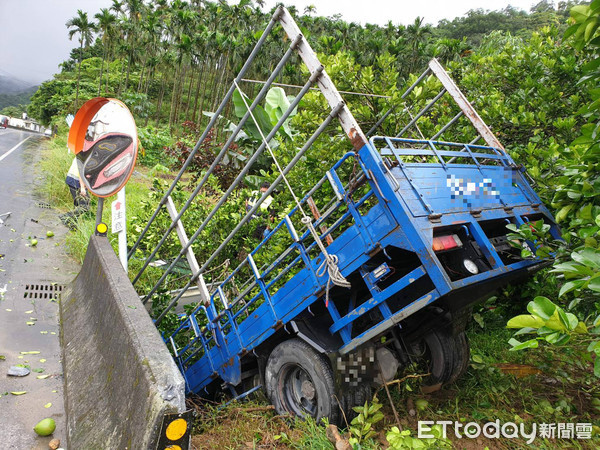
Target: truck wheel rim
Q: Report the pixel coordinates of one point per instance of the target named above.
(299, 392)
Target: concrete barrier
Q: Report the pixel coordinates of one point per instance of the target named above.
(120, 380)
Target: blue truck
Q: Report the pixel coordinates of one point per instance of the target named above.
(407, 235)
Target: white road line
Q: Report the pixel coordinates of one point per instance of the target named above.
(14, 148)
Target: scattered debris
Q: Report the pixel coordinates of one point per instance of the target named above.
(42, 377)
(336, 439)
(19, 392)
(47, 405)
(432, 388)
(6, 216)
(518, 370)
(18, 371)
(42, 360)
(54, 444)
(35, 352)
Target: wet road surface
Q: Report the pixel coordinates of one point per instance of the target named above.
(32, 277)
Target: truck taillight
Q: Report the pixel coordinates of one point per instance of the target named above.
(441, 243)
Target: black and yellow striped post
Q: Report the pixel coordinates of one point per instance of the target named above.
(175, 432)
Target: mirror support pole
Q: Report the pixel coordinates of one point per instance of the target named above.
(99, 212)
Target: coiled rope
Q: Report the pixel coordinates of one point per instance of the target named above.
(330, 264)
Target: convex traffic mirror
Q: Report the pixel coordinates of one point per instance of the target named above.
(103, 137)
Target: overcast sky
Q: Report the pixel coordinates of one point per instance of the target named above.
(35, 40)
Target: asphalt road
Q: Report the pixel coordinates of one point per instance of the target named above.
(31, 277)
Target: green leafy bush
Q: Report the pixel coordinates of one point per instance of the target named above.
(153, 142)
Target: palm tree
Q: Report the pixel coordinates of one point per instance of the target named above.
(416, 35)
(106, 25)
(135, 8)
(80, 24)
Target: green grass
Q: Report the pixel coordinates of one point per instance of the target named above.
(54, 165)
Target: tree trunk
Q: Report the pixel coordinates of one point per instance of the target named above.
(203, 96)
(160, 100)
(200, 73)
(79, 72)
(121, 79)
(180, 93)
(213, 91)
(101, 72)
(140, 83)
(128, 69)
(107, 68)
(189, 94)
(221, 87)
(173, 96)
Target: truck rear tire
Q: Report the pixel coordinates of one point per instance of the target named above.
(445, 356)
(462, 356)
(299, 381)
(436, 351)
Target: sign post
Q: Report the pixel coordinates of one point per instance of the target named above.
(119, 225)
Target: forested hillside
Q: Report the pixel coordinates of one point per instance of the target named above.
(172, 60)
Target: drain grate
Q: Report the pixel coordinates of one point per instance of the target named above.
(45, 290)
(44, 205)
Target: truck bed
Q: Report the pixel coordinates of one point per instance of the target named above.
(406, 207)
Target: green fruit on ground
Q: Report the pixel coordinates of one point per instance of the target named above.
(33, 242)
(421, 404)
(45, 427)
(49, 233)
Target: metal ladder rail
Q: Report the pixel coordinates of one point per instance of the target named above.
(498, 156)
(390, 321)
(249, 214)
(245, 169)
(403, 168)
(460, 99)
(193, 323)
(210, 125)
(421, 113)
(191, 257)
(403, 96)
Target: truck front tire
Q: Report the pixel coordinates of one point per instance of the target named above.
(299, 381)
